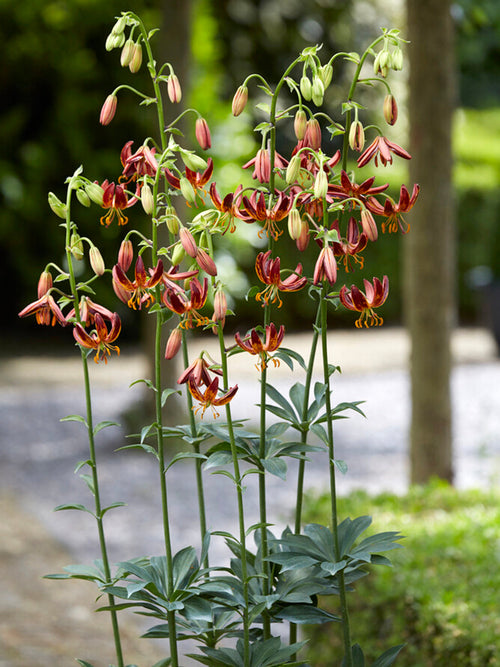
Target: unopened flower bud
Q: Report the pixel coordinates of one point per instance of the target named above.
(299, 124)
(390, 110)
(313, 134)
(318, 91)
(356, 136)
(187, 190)
(172, 220)
(57, 206)
(188, 242)
(119, 26)
(369, 225)
(326, 73)
(115, 41)
(380, 63)
(95, 192)
(174, 89)
(178, 254)
(321, 184)
(305, 88)
(96, 261)
(108, 110)
(127, 53)
(136, 60)
(193, 161)
(76, 246)
(294, 224)
(293, 170)
(397, 59)
(220, 307)
(44, 283)
(147, 200)
(240, 100)
(83, 197)
(205, 262)
(202, 133)
(125, 255)
(303, 240)
(173, 343)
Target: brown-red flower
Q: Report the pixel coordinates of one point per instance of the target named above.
(208, 398)
(382, 148)
(100, 339)
(253, 344)
(364, 302)
(392, 210)
(268, 271)
(136, 292)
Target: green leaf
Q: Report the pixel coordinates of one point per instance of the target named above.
(74, 418)
(358, 658)
(340, 465)
(146, 448)
(112, 507)
(303, 613)
(89, 481)
(388, 657)
(286, 355)
(166, 393)
(333, 568)
(73, 506)
(349, 531)
(291, 561)
(297, 395)
(148, 383)
(84, 663)
(104, 424)
(80, 464)
(275, 466)
(185, 455)
(275, 395)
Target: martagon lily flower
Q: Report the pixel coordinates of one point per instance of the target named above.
(268, 271)
(262, 165)
(115, 199)
(100, 339)
(135, 293)
(208, 398)
(364, 302)
(178, 302)
(140, 163)
(45, 307)
(254, 344)
(255, 210)
(392, 210)
(382, 148)
(197, 180)
(349, 247)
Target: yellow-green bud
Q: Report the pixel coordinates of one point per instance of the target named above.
(300, 124)
(294, 224)
(95, 192)
(83, 197)
(76, 246)
(136, 61)
(127, 53)
(172, 220)
(57, 206)
(193, 161)
(96, 261)
(305, 88)
(293, 170)
(178, 254)
(397, 59)
(147, 200)
(321, 184)
(119, 26)
(318, 91)
(187, 190)
(326, 73)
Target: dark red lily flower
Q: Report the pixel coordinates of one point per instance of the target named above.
(268, 271)
(229, 206)
(349, 248)
(46, 311)
(262, 164)
(136, 292)
(115, 199)
(187, 306)
(326, 266)
(253, 344)
(348, 188)
(382, 148)
(140, 163)
(364, 302)
(254, 209)
(198, 372)
(208, 398)
(392, 211)
(100, 339)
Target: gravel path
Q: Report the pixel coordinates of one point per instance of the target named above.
(38, 453)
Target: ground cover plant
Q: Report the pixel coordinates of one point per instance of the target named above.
(244, 611)
(442, 597)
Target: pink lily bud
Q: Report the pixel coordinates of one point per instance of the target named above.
(299, 124)
(390, 110)
(188, 242)
(240, 100)
(174, 89)
(173, 343)
(136, 61)
(202, 133)
(96, 261)
(108, 110)
(220, 307)
(312, 136)
(369, 225)
(303, 240)
(127, 53)
(125, 255)
(326, 266)
(205, 262)
(44, 283)
(357, 136)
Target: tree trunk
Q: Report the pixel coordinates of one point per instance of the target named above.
(429, 248)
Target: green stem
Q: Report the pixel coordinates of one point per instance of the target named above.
(333, 490)
(239, 497)
(92, 462)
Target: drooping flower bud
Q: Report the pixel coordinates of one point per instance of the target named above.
(318, 91)
(108, 109)
(178, 254)
(321, 184)
(127, 53)
(172, 220)
(356, 136)
(240, 100)
(293, 170)
(173, 343)
(390, 110)
(136, 60)
(96, 261)
(326, 73)
(303, 240)
(205, 262)
(187, 190)
(147, 200)
(174, 89)
(202, 133)
(44, 283)
(188, 242)
(114, 41)
(305, 88)
(299, 124)
(220, 307)
(294, 224)
(193, 161)
(397, 59)
(119, 26)
(95, 192)
(369, 225)
(76, 246)
(125, 255)
(57, 206)
(380, 64)
(313, 134)
(83, 197)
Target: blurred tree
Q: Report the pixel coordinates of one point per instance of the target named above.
(429, 248)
